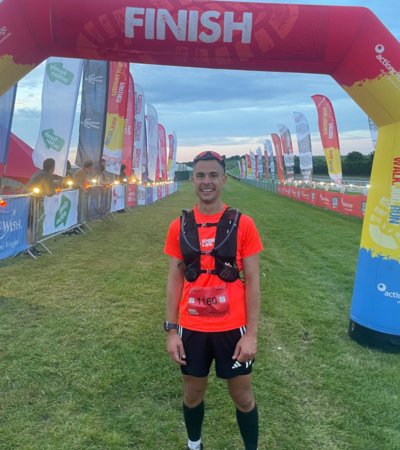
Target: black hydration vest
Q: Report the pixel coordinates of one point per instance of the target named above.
(224, 251)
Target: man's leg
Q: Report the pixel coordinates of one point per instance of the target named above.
(194, 389)
(246, 409)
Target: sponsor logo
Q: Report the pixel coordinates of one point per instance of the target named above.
(214, 25)
(237, 364)
(93, 78)
(385, 62)
(207, 242)
(89, 123)
(56, 72)
(390, 294)
(394, 212)
(62, 212)
(51, 140)
(8, 226)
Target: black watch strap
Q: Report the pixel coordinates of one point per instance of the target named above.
(170, 326)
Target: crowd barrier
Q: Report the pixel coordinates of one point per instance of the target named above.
(28, 220)
(334, 198)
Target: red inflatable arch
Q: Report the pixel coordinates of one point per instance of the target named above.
(348, 43)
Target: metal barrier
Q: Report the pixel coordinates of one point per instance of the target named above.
(344, 199)
(93, 203)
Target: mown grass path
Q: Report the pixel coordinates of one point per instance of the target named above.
(82, 352)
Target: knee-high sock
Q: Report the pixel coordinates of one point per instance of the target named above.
(194, 420)
(248, 426)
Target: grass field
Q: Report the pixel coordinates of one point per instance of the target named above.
(82, 352)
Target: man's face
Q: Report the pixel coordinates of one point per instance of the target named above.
(208, 180)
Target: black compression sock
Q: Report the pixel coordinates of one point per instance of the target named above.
(248, 426)
(194, 420)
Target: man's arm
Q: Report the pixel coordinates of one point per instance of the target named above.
(247, 346)
(174, 294)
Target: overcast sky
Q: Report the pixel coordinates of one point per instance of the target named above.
(231, 112)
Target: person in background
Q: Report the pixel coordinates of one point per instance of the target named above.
(84, 175)
(211, 313)
(68, 176)
(104, 176)
(123, 177)
(44, 179)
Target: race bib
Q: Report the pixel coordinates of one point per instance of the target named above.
(208, 301)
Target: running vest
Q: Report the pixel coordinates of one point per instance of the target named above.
(225, 246)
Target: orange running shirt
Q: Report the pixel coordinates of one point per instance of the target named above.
(248, 244)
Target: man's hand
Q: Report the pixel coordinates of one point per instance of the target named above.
(175, 348)
(245, 349)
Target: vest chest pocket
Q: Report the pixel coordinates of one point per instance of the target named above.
(208, 301)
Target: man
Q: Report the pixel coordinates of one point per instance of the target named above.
(104, 176)
(83, 176)
(211, 313)
(44, 179)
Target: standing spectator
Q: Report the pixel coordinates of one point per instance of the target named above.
(44, 179)
(123, 177)
(83, 175)
(68, 176)
(104, 176)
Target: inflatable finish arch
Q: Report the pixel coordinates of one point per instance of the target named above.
(348, 43)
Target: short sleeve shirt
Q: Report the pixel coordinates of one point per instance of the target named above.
(248, 244)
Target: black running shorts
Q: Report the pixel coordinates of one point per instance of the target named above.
(201, 348)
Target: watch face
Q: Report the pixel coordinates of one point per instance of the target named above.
(170, 326)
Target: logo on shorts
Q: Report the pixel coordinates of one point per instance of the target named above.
(237, 364)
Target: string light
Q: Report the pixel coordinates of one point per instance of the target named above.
(3, 203)
(70, 183)
(36, 190)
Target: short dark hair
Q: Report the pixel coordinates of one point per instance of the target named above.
(49, 164)
(88, 163)
(210, 156)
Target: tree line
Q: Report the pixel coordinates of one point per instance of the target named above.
(353, 164)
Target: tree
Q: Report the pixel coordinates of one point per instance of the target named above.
(355, 163)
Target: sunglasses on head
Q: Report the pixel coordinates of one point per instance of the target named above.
(208, 155)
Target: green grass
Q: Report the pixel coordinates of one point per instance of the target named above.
(82, 354)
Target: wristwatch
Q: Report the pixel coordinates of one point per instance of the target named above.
(170, 326)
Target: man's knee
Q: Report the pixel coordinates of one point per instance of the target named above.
(244, 401)
(241, 393)
(194, 390)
